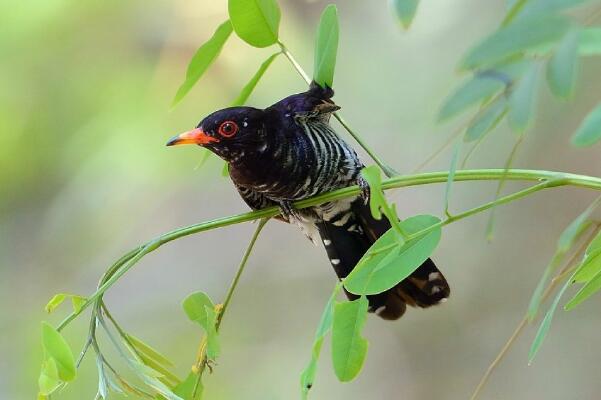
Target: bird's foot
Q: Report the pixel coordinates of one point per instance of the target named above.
(287, 211)
(365, 191)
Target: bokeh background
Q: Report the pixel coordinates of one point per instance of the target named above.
(85, 176)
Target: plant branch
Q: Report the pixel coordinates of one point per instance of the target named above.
(389, 171)
(132, 257)
(569, 267)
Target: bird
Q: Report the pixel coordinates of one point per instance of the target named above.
(289, 152)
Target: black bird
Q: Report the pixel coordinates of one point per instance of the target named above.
(288, 152)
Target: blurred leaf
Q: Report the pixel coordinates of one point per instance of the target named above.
(202, 59)
(185, 390)
(565, 242)
(250, 86)
(57, 349)
(384, 264)
(451, 177)
(533, 8)
(486, 120)
(171, 380)
(48, 380)
(590, 41)
(522, 100)
(225, 170)
(589, 131)
(325, 324)
(377, 201)
(326, 47)
(473, 92)
(58, 299)
(349, 348)
(543, 329)
(590, 288)
(194, 306)
(516, 38)
(144, 348)
(256, 22)
(562, 68)
(405, 11)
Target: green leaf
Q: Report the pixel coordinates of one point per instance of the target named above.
(250, 86)
(325, 324)
(405, 11)
(563, 66)
(257, 22)
(590, 288)
(451, 177)
(194, 307)
(475, 91)
(486, 120)
(213, 348)
(185, 390)
(590, 41)
(57, 349)
(58, 299)
(349, 348)
(543, 329)
(145, 349)
(589, 131)
(49, 380)
(534, 8)
(565, 242)
(326, 47)
(522, 100)
(386, 264)
(516, 38)
(202, 59)
(589, 268)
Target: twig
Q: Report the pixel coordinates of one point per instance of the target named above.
(201, 361)
(569, 267)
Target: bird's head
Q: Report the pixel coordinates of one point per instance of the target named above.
(229, 133)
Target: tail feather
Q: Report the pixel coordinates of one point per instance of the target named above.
(346, 243)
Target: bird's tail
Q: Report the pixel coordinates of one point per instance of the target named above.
(347, 238)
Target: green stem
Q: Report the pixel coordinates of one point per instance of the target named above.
(389, 171)
(132, 257)
(201, 363)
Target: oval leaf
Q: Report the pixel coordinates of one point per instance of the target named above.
(405, 11)
(257, 22)
(563, 66)
(194, 306)
(516, 38)
(379, 270)
(326, 47)
(589, 131)
(57, 349)
(250, 86)
(203, 58)
(475, 91)
(349, 348)
(591, 287)
(486, 120)
(522, 100)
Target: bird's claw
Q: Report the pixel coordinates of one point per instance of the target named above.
(365, 191)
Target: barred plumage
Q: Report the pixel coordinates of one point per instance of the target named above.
(289, 152)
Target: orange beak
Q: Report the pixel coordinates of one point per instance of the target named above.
(195, 136)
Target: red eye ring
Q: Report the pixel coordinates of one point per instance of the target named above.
(228, 129)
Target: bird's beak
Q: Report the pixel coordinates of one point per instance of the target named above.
(195, 136)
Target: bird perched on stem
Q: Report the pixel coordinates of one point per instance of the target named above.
(288, 152)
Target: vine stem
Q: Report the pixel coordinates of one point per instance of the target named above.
(201, 361)
(569, 267)
(133, 256)
(388, 171)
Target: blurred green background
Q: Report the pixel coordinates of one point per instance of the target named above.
(85, 176)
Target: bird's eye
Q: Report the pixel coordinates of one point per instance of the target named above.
(228, 129)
